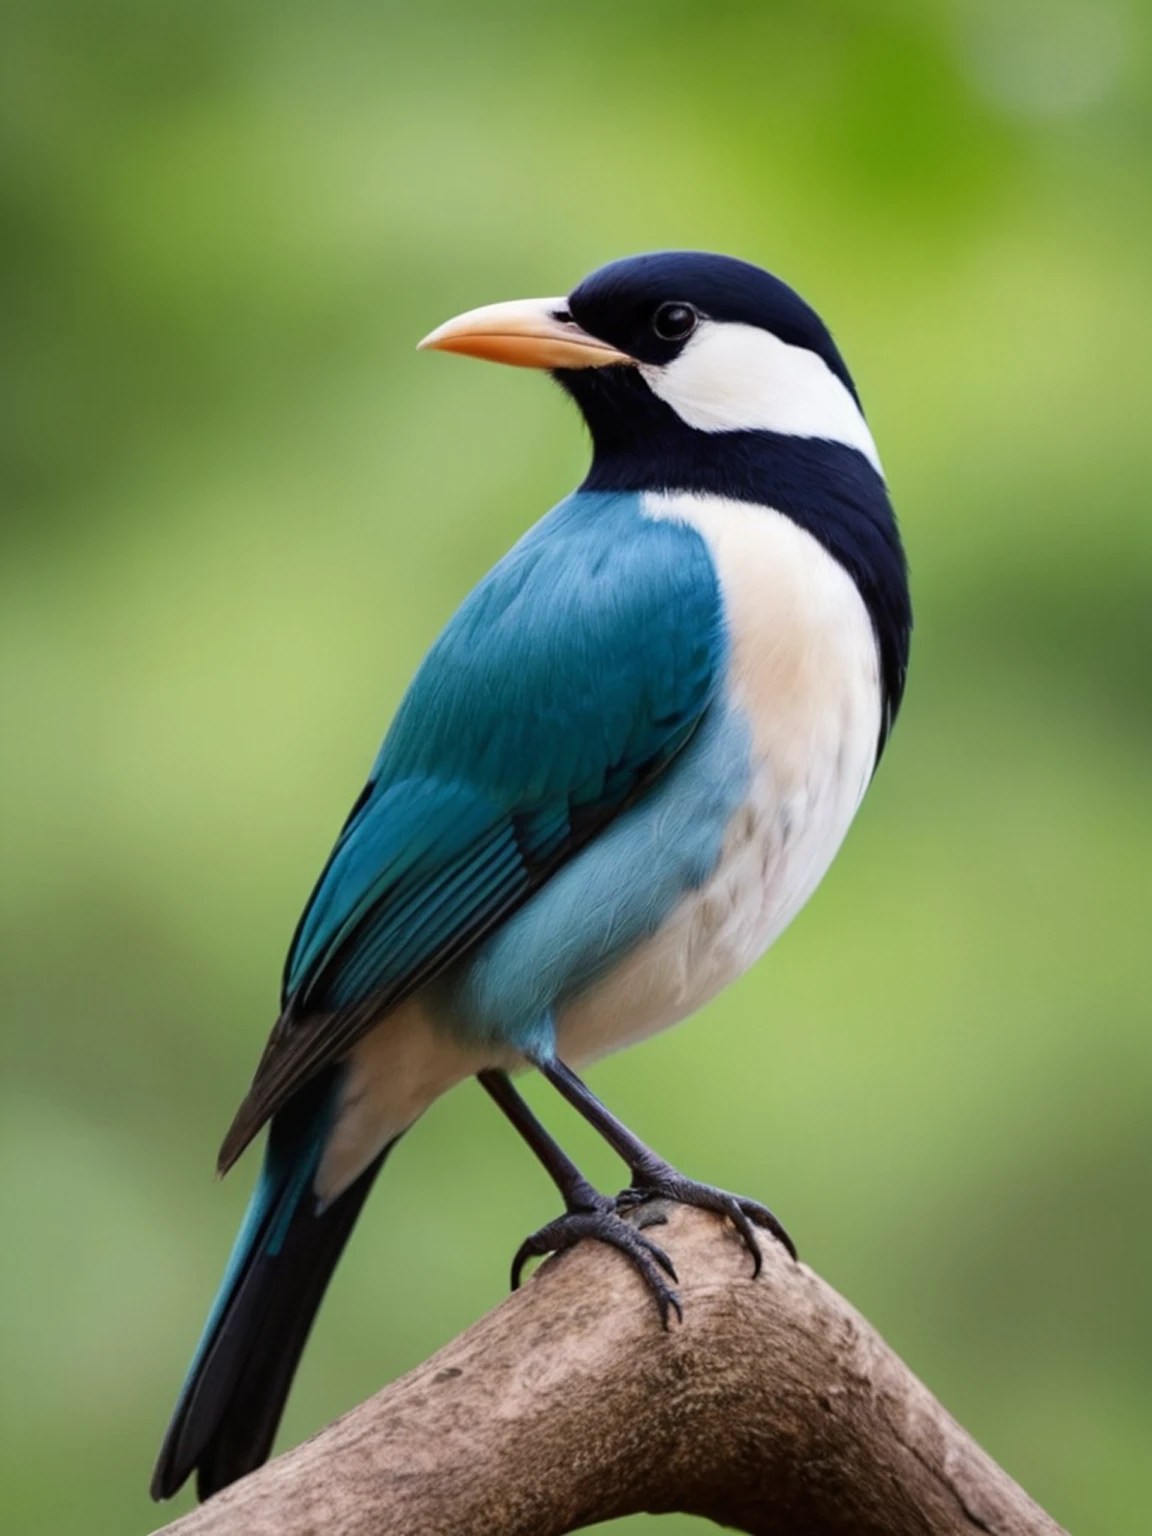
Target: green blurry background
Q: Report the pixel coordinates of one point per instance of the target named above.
(237, 508)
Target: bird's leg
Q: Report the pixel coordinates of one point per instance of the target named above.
(653, 1178)
(578, 1194)
(588, 1213)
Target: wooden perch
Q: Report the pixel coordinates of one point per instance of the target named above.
(773, 1408)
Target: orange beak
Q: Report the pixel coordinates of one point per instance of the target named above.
(528, 333)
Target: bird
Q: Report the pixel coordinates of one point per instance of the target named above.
(617, 775)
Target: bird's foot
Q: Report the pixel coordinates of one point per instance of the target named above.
(661, 1182)
(600, 1223)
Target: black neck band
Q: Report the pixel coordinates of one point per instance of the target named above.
(828, 489)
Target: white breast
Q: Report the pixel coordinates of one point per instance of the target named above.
(805, 670)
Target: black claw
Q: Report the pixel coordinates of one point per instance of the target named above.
(526, 1251)
(668, 1301)
(740, 1220)
(745, 1215)
(661, 1257)
(603, 1225)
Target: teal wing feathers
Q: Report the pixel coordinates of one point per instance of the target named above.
(564, 685)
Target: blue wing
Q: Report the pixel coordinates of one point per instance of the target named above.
(564, 685)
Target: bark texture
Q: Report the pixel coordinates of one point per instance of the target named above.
(773, 1408)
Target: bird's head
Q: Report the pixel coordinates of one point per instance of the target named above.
(701, 375)
(660, 350)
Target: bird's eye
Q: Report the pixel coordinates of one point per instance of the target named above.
(674, 322)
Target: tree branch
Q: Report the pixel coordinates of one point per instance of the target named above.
(773, 1408)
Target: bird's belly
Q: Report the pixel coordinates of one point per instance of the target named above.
(767, 870)
(805, 674)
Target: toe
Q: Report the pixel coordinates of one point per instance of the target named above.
(661, 1257)
(763, 1217)
(740, 1220)
(649, 1260)
(745, 1215)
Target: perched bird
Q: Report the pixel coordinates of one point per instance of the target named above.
(617, 775)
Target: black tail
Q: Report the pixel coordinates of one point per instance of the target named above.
(229, 1410)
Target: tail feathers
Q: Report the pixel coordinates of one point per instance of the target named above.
(229, 1410)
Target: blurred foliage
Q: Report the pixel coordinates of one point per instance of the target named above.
(237, 508)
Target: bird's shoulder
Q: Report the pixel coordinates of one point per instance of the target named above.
(598, 628)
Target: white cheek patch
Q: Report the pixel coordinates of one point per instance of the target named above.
(732, 378)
